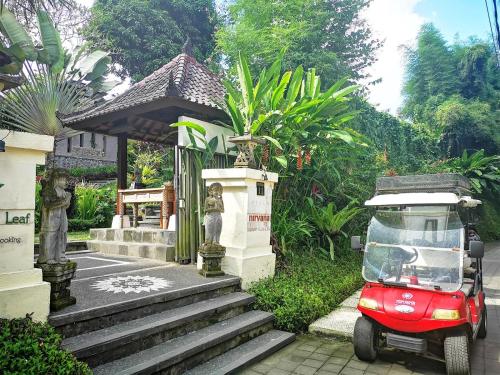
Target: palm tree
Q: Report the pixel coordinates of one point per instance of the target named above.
(55, 82)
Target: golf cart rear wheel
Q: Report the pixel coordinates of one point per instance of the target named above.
(457, 354)
(482, 328)
(364, 340)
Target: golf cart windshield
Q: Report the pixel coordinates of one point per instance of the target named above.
(419, 246)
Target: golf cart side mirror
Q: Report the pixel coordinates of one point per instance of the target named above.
(356, 243)
(476, 249)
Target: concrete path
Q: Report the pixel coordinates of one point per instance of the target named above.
(328, 356)
(340, 322)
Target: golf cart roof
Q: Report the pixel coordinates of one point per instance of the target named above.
(425, 199)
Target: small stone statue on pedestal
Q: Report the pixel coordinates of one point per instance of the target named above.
(56, 268)
(211, 251)
(137, 180)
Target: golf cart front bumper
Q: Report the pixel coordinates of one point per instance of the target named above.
(410, 344)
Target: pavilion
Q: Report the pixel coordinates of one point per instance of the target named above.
(181, 88)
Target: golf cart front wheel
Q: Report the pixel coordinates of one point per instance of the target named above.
(457, 354)
(364, 340)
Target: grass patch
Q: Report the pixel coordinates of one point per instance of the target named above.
(72, 236)
(307, 288)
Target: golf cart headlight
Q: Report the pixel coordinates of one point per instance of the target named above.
(368, 303)
(442, 314)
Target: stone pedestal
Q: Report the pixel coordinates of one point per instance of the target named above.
(212, 255)
(59, 276)
(120, 222)
(22, 290)
(246, 222)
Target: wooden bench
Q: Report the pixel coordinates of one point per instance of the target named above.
(164, 195)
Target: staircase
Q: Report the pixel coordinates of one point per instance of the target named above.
(204, 329)
(149, 243)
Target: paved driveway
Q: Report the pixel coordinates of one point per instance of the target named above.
(313, 355)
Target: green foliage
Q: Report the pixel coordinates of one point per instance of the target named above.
(482, 171)
(38, 206)
(80, 225)
(27, 347)
(154, 160)
(328, 35)
(489, 217)
(431, 70)
(101, 172)
(330, 221)
(289, 109)
(454, 92)
(146, 34)
(467, 125)
(294, 229)
(57, 84)
(94, 206)
(308, 288)
(396, 145)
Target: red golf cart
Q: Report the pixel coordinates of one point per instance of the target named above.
(423, 270)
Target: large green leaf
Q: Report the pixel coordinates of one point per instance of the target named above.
(191, 125)
(89, 63)
(279, 92)
(51, 42)
(246, 85)
(16, 34)
(294, 86)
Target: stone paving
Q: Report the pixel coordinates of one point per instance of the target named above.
(325, 356)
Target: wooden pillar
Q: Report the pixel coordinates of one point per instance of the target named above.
(121, 170)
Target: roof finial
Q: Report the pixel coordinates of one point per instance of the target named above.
(172, 89)
(187, 48)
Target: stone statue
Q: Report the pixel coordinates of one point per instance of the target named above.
(137, 182)
(214, 206)
(211, 250)
(56, 268)
(54, 225)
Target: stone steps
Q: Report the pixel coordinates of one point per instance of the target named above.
(123, 339)
(84, 321)
(149, 243)
(134, 235)
(148, 250)
(185, 352)
(206, 329)
(245, 354)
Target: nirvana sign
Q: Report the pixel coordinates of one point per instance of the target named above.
(259, 222)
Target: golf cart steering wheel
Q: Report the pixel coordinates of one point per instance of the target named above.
(414, 256)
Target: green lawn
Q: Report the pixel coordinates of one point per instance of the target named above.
(72, 236)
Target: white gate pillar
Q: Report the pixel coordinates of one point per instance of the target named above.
(246, 221)
(22, 290)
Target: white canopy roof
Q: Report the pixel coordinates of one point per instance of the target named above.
(421, 199)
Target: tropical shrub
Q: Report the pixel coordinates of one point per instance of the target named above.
(482, 171)
(28, 347)
(95, 207)
(331, 221)
(93, 173)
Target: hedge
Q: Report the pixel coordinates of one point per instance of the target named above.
(308, 288)
(32, 348)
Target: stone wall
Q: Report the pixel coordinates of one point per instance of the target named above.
(74, 162)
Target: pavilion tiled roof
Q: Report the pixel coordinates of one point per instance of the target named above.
(183, 77)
